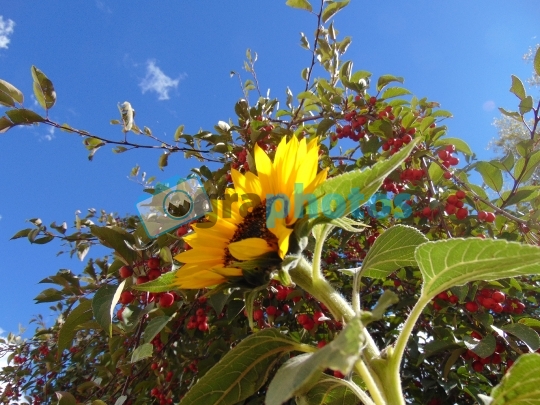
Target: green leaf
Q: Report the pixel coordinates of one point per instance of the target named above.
(23, 116)
(528, 335)
(116, 238)
(49, 295)
(442, 113)
(435, 172)
(11, 91)
(531, 322)
(242, 371)
(43, 89)
(448, 263)
(5, 125)
(460, 145)
(65, 398)
(300, 373)
(81, 314)
(381, 128)
(394, 92)
(163, 160)
(522, 194)
(523, 173)
(491, 175)
(393, 249)
(21, 234)
(517, 88)
(142, 352)
(511, 114)
(6, 100)
(526, 105)
(356, 187)
(324, 125)
(520, 385)
(385, 79)
(103, 303)
(330, 391)
(164, 283)
(333, 8)
(154, 327)
(484, 348)
(301, 4)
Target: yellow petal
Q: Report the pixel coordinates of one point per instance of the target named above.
(227, 271)
(265, 171)
(250, 248)
(205, 255)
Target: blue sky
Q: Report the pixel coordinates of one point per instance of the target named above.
(171, 59)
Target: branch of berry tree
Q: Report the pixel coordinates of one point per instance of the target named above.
(163, 145)
(464, 185)
(433, 194)
(313, 59)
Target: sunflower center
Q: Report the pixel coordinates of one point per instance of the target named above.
(253, 226)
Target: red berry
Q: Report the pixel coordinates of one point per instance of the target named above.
(460, 194)
(372, 100)
(125, 271)
(321, 343)
(452, 199)
(478, 366)
(450, 209)
(202, 299)
(317, 317)
(497, 308)
(450, 148)
(471, 306)
(142, 280)
(203, 327)
(166, 300)
(488, 303)
(182, 231)
(153, 274)
(447, 175)
(271, 310)
(119, 313)
(200, 312)
(426, 212)
(520, 308)
(490, 217)
(462, 213)
(309, 324)
(443, 154)
(126, 298)
(154, 366)
(498, 296)
(258, 314)
(482, 215)
(153, 263)
(338, 374)
(476, 335)
(486, 292)
(454, 161)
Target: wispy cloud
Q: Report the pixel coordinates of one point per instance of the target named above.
(103, 7)
(6, 29)
(1, 330)
(489, 105)
(49, 136)
(158, 81)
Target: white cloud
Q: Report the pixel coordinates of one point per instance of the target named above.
(1, 328)
(103, 7)
(6, 29)
(489, 105)
(158, 81)
(49, 136)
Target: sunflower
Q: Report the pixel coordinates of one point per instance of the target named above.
(234, 233)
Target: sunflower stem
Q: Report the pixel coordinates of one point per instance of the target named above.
(320, 234)
(340, 309)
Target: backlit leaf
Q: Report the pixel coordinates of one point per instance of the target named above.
(448, 263)
(517, 88)
(301, 4)
(103, 303)
(491, 175)
(81, 314)
(12, 91)
(142, 352)
(393, 249)
(43, 89)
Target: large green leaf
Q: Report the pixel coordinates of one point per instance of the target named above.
(302, 4)
(528, 335)
(350, 190)
(525, 173)
(116, 238)
(385, 79)
(242, 371)
(393, 249)
(332, 8)
(460, 144)
(23, 116)
(448, 263)
(81, 314)
(517, 88)
(11, 91)
(520, 385)
(43, 89)
(154, 327)
(491, 175)
(330, 391)
(103, 304)
(299, 374)
(142, 352)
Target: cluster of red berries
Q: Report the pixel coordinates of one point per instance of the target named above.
(19, 359)
(446, 155)
(412, 175)
(390, 186)
(455, 205)
(354, 130)
(478, 363)
(198, 321)
(161, 396)
(308, 322)
(496, 301)
(404, 137)
(486, 216)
